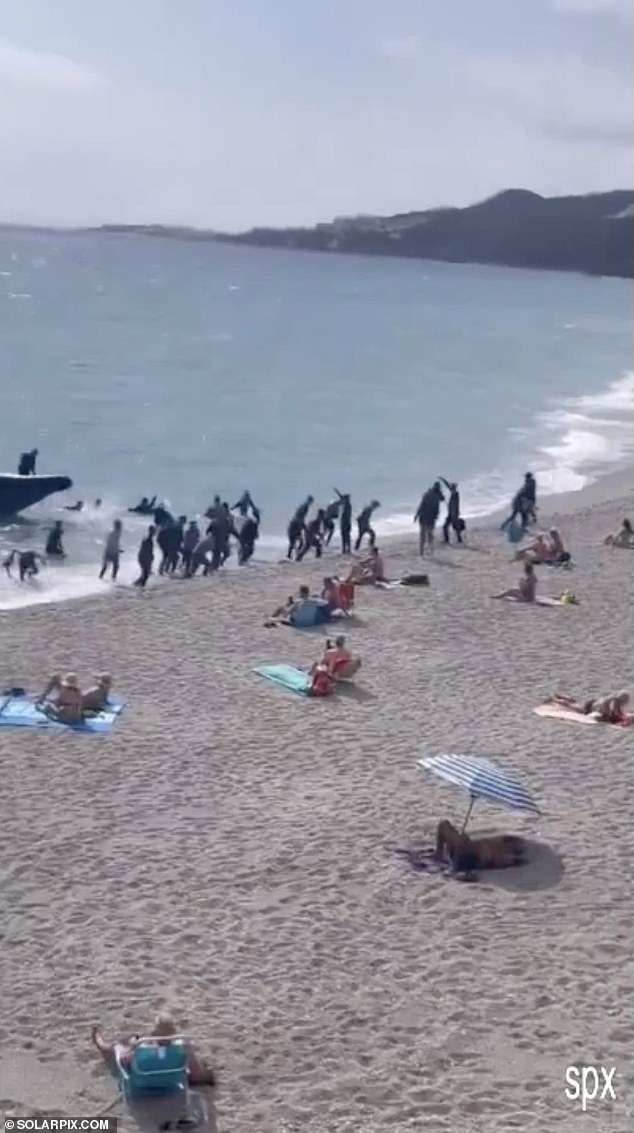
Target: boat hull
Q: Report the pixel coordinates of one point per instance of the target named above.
(20, 492)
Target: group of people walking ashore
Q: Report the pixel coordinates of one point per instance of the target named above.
(183, 548)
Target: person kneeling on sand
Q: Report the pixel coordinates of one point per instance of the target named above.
(162, 1029)
(369, 570)
(71, 705)
(526, 590)
(623, 538)
(468, 854)
(610, 709)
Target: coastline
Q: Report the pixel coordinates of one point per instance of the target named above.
(225, 851)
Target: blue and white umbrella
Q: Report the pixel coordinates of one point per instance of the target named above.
(481, 778)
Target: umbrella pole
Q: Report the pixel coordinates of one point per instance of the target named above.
(468, 815)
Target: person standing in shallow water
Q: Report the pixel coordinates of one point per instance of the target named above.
(345, 521)
(297, 525)
(54, 547)
(145, 557)
(364, 526)
(112, 551)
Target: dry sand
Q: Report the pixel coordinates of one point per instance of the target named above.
(223, 852)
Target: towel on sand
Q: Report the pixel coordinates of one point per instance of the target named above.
(296, 680)
(20, 711)
(560, 712)
(521, 602)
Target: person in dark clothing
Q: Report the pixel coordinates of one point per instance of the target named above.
(523, 504)
(27, 563)
(530, 495)
(427, 515)
(145, 557)
(162, 517)
(169, 540)
(330, 515)
(247, 536)
(364, 526)
(452, 519)
(345, 521)
(191, 539)
(144, 507)
(313, 533)
(220, 526)
(244, 504)
(54, 548)
(26, 467)
(295, 530)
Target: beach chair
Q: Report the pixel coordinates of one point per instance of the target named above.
(157, 1065)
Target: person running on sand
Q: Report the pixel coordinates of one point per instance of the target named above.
(526, 590)
(623, 538)
(610, 709)
(369, 570)
(468, 854)
(364, 524)
(162, 1029)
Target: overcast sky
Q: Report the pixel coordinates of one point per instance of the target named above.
(228, 113)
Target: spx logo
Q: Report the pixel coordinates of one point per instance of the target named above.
(590, 1083)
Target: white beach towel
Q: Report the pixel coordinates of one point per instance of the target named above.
(559, 712)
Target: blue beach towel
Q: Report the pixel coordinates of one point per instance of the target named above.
(311, 612)
(286, 675)
(21, 712)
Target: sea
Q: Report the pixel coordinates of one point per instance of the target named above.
(142, 365)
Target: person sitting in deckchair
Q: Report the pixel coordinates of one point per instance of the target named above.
(610, 709)
(339, 661)
(623, 538)
(468, 854)
(331, 593)
(526, 590)
(369, 570)
(162, 1029)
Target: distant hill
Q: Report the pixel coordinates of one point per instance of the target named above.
(515, 228)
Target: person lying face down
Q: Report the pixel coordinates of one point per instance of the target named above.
(467, 854)
(162, 1029)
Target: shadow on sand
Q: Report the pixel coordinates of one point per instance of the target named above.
(543, 869)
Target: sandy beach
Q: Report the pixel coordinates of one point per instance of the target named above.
(227, 850)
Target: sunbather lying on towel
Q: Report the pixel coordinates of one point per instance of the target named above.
(610, 709)
(339, 662)
(162, 1028)
(623, 538)
(526, 589)
(468, 854)
(71, 705)
(369, 570)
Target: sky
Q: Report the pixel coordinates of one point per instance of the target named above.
(231, 113)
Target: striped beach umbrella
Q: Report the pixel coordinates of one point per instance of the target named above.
(481, 778)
